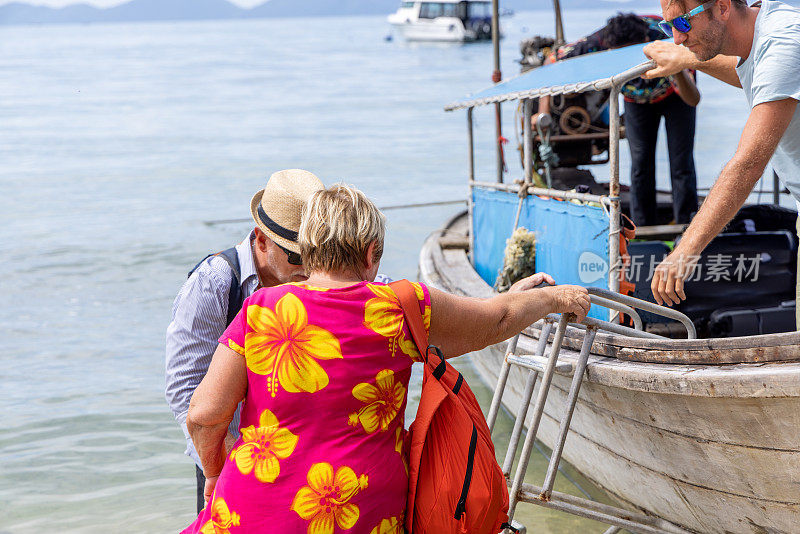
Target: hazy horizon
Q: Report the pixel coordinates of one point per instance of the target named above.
(240, 3)
(107, 3)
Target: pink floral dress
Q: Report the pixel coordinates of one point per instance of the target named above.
(321, 449)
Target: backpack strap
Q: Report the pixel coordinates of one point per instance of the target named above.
(199, 263)
(408, 301)
(410, 305)
(235, 297)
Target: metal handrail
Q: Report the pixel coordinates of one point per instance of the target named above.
(648, 307)
(614, 328)
(618, 306)
(544, 495)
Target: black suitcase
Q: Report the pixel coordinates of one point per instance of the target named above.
(645, 255)
(734, 322)
(774, 281)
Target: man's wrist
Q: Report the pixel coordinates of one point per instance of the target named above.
(687, 247)
(689, 60)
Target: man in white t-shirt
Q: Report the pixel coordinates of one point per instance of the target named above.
(756, 48)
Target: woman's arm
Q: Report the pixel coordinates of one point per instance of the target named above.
(687, 89)
(212, 407)
(464, 324)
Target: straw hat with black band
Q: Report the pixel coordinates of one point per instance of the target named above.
(278, 207)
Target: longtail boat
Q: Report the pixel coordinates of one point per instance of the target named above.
(703, 434)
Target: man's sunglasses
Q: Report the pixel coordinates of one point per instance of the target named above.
(682, 23)
(294, 257)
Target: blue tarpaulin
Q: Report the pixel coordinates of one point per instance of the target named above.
(579, 71)
(571, 239)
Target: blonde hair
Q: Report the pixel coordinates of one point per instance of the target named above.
(338, 225)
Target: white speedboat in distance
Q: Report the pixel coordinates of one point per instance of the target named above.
(446, 20)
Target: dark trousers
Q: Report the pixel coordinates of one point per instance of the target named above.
(641, 126)
(201, 486)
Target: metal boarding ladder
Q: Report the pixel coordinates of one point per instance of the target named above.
(536, 363)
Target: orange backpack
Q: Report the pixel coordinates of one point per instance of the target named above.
(455, 484)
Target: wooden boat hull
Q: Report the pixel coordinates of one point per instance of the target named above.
(713, 448)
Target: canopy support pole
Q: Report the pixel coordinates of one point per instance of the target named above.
(527, 152)
(470, 145)
(559, 23)
(498, 126)
(471, 152)
(496, 77)
(614, 263)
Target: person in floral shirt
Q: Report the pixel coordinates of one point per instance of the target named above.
(323, 368)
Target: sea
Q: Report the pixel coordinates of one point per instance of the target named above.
(123, 146)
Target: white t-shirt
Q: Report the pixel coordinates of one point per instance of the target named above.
(772, 72)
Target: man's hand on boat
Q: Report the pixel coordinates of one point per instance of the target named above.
(563, 299)
(670, 59)
(668, 278)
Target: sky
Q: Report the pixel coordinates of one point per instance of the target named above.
(108, 3)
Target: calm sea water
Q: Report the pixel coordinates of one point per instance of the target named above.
(117, 144)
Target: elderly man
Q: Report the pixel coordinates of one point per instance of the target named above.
(213, 294)
(756, 48)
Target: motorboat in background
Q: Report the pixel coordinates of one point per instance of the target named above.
(446, 20)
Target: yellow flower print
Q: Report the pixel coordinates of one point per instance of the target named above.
(393, 525)
(221, 520)
(262, 448)
(398, 446)
(235, 347)
(398, 440)
(284, 347)
(383, 401)
(325, 500)
(306, 286)
(384, 315)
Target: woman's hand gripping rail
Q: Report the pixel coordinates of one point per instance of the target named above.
(464, 324)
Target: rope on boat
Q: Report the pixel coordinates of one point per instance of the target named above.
(519, 259)
(500, 142)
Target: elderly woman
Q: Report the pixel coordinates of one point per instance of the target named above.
(323, 368)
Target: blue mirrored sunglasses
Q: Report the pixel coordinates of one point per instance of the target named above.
(682, 23)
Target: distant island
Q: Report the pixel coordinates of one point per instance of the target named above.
(156, 10)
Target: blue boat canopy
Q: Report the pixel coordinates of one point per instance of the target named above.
(595, 72)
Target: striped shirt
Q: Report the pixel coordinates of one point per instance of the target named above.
(199, 317)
